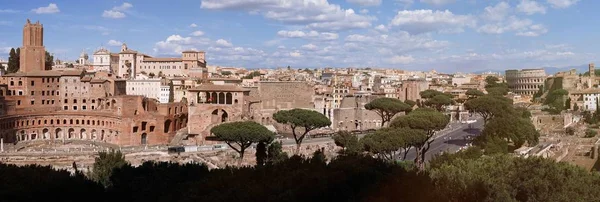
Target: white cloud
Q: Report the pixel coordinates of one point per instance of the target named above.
(175, 44)
(530, 7)
(438, 2)
(365, 2)
(364, 11)
(523, 27)
(117, 12)
(197, 33)
(308, 35)
(315, 14)
(497, 12)
(5, 50)
(310, 46)
(381, 28)
(114, 43)
(401, 59)
(562, 3)
(534, 30)
(223, 43)
(113, 14)
(193, 25)
(296, 54)
(422, 21)
(51, 8)
(8, 11)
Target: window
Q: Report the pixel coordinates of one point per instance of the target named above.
(12, 83)
(74, 101)
(66, 101)
(66, 107)
(18, 102)
(20, 83)
(32, 83)
(20, 92)
(33, 92)
(74, 107)
(44, 102)
(33, 102)
(83, 107)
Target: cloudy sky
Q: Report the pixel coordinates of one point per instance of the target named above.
(446, 35)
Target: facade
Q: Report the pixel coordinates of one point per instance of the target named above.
(525, 81)
(130, 63)
(154, 88)
(411, 89)
(590, 99)
(65, 105)
(101, 60)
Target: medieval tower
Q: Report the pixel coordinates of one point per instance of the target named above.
(33, 53)
(591, 78)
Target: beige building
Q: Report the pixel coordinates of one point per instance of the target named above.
(154, 88)
(525, 81)
(130, 63)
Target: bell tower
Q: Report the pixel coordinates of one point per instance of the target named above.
(33, 52)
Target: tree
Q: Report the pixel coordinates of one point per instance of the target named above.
(152, 75)
(428, 120)
(489, 106)
(508, 178)
(575, 107)
(568, 103)
(226, 73)
(275, 154)
(348, 142)
(429, 93)
(570, 130)
(387, 108)
(243, 134)
(410, 103)
(439, 101)
(104, 165)
(589, 133)
(498, 91)
(556, 101)
(252, 75)
(473, 93)
(510, 129)
(385, 143)
(307, 119)
(261, 153)
(491, 81)
(13, 61)
(49, 61)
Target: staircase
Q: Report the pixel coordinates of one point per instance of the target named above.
(179, 136)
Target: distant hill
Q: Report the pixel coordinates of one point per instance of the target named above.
(549, 70)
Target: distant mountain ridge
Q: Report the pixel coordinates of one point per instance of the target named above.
(549, 70)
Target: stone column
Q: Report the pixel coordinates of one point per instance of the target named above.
(1, 144)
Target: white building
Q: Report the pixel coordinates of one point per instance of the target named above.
(460, 80)
(154, 88)
(590, 100)
(101, 60)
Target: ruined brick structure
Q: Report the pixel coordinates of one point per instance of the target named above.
(48, 105)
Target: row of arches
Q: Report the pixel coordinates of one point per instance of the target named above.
(65, 134)
(218, 98)
(34, 122)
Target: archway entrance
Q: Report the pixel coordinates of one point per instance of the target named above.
(144, 138)
(58, 134)
(224, 116)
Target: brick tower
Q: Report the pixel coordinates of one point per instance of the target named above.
(33, 53)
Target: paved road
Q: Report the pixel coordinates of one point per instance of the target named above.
(450, 140)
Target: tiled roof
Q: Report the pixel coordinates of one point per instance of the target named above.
(47, 73)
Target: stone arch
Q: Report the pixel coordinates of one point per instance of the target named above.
(221, 98)
(235, 101)
(228, 98)
(82, 134)
(93, 135)
(144, 139)
(23, 135)
(102, 135)
(167, 125)
(58, 134)
(224, 116)
(214, 98)
(45, 133)
(71, 133)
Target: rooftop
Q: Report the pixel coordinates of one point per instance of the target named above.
(222, 88)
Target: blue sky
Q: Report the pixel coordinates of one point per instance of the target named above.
(446, 35)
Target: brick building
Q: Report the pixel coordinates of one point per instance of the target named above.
(52, 105)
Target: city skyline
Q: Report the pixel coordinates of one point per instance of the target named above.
(446, 35)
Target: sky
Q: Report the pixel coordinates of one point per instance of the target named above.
(445, 35)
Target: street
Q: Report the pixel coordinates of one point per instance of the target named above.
(451, 140)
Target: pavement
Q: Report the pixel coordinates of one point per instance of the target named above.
(450, 140)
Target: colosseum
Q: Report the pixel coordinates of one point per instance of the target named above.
(37, 104)
(525, 81)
